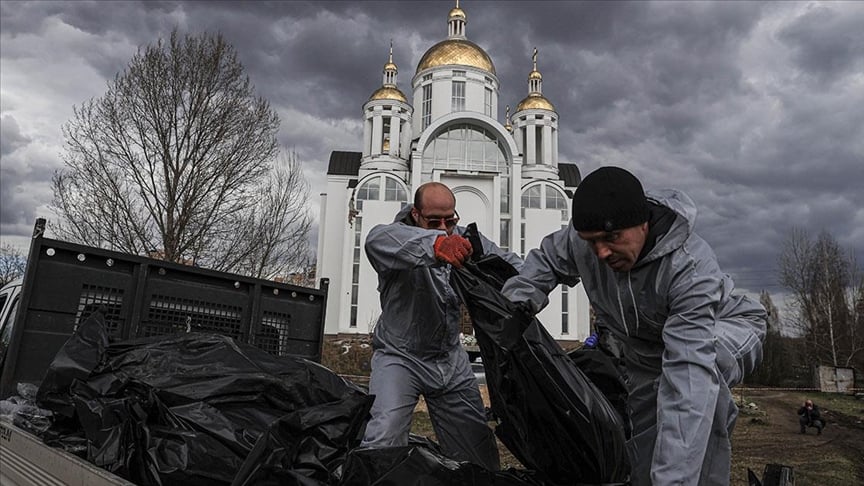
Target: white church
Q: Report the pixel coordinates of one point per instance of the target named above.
(506, 176)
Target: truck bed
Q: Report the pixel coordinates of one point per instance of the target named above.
(143, 297)
(25, 460)
(140, 297)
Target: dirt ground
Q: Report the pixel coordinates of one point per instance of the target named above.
(769, 434)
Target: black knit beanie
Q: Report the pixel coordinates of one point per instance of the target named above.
(609, 199)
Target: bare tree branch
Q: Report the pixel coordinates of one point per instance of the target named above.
(826, 288)
(12, 264)
(179, 159)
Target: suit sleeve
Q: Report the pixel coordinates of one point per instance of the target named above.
(545, 268)
(398, 246)
(689, 383)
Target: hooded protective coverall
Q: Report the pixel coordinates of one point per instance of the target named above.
(417, 348)
(684, 340)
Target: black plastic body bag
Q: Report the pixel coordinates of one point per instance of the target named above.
(199, 409)
(551, 416)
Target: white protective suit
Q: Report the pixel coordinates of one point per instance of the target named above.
(416, 344)
(684, 340)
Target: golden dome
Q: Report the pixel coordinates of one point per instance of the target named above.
(457, 13)
(390, 66)
(456, 51)
(535, 75)
(534, 101)
(388, 93)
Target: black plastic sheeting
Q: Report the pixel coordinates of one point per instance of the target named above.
(202, 409)
(189, 409)
(551, 416)
(607, 376)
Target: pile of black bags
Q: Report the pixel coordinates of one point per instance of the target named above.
(202, 409)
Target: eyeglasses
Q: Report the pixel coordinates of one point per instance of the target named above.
(436, 222)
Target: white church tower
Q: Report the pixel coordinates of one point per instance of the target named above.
(387, 127)
(506, 177)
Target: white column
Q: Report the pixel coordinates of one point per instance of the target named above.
(515, 204)
(555, 147)
(377, 132)
(394, 133)
(367, 136)
(416, 171)
(530, 149)
(547, 144)
(517, 135)
(405, 137)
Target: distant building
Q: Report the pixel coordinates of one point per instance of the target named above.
(506, 177)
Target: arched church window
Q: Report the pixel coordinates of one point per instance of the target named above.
(546, 196)
(371, 189)
(543, 196)
(465, 147)
(531, 197)
(555, 199)
(394, 190)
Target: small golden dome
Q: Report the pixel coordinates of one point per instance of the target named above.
(457, 13)
(388, 93)
(390, 66)
(456, 51)
(535, 75)
(534, 101)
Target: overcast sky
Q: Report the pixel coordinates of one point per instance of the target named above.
(755, 109)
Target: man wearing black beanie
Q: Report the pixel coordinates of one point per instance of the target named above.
(666, 310)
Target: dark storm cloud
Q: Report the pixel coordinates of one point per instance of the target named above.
(10, 136)
(826, 42)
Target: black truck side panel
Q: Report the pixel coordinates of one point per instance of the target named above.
(66, 282)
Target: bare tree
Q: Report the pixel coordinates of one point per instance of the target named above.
(280, 224)
(827, 287)
(12, 263)
(176, 160)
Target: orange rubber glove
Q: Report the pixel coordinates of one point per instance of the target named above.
(452, 249)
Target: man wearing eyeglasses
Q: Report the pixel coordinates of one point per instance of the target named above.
(416, 343)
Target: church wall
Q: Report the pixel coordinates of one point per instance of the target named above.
(538, 224)
(441, 95)
(331, 251)
(369, 306)
(475, 202)
(475, 92)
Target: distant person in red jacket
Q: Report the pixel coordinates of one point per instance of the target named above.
(809, 416)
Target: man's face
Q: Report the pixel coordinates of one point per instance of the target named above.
(438, 211)
(620, 248)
